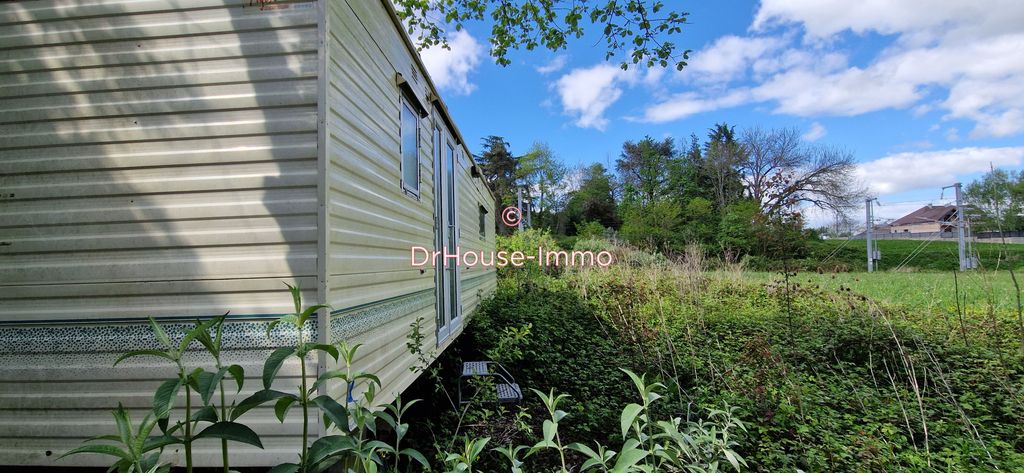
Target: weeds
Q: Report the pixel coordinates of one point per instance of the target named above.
(353, 443)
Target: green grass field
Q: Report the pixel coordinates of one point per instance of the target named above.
(940, 255)
(927, 290)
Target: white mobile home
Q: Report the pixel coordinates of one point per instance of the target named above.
(184, 158)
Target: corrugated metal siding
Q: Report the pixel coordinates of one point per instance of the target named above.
(121, 164)
(372, 222)
(158, 158)
(477, 281)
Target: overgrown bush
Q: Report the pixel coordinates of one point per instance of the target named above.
(357, 442)
(830, 380)
(527, 242)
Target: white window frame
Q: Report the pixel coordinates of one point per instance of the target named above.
(404, 105)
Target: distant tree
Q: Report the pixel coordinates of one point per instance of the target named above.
(500, 168)
(594, 200)
(644, 166)
(639, 30)
(996, 201)
(688, 178)
(781, 173)
(737, 232)
(699, 221)
(545, 174)
(654, 225)
(723, 157)
(590, 229)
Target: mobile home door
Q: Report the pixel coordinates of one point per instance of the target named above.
(446, 155)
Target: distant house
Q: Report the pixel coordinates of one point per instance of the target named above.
(927, 219)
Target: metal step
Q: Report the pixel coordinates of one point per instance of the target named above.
(509, 392)
(475, 368)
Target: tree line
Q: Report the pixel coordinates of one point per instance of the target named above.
(734, 192)
(995, 201)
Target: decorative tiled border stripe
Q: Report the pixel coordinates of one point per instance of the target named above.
(349, 323)
(94, 338)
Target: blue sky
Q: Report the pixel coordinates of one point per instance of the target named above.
(923, 93)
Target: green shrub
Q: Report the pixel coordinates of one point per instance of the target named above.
(356, 440)
(590, 230)
(831, 381)
(526, 241)
(568, 349)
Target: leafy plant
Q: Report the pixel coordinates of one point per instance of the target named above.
(195, 380)
(283, 401)
(138, 451)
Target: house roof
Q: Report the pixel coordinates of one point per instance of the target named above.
(927, 214)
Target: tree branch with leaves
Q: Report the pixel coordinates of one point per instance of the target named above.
(638, 31)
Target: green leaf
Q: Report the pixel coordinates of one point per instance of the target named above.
(238, 373)
(124, 425)
(219, 332)
(206, 341)
(191, 334)
(415, 455)
(161, 335)
(329, 375)
(100, 449)
(208, 384)
(550, 428)
(579, 447)
(273, 364)
(166, 394)
(284, 468)
(333, 411)
(329, 349)
(155, 443)
(231, 431)
(147, 425)
(328, 446)
(478, 447)
(296, 297)
(258, 398)
(306, 314)
(206, 414)
(628, 458)
(281, 407)
(134, 353)
(628, 416)
(734, 459)
(638, 381)
(290, 319)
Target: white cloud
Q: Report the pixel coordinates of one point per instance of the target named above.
(854, 91)
(450, 69)
(554, 65)
(922, 19)
(728, 57)
(688, 103)
(586, 93)
(816, 132)
(910, 171)
(961, 59)
(972, 49)
(952, 134)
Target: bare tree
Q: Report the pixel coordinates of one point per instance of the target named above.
(781, 172)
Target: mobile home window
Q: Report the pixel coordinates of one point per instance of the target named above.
(483, 222)
(410, 135)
